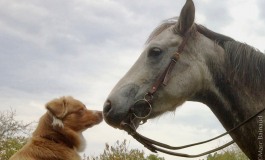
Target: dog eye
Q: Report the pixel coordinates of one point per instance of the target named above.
(154, 52)
(81, 111)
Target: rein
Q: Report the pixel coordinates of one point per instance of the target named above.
(146, 108)
(155, 146)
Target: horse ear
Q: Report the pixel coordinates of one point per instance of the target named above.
(57, 107)
(186, 18)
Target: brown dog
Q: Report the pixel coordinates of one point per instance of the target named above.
(59, 133)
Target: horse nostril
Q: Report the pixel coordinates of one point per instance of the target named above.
(107, 107)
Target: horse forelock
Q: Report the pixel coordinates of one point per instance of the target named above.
(161, 27)
(165, 25)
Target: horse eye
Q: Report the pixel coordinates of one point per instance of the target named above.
(154, 52)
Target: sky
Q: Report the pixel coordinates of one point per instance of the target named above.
(81, 48)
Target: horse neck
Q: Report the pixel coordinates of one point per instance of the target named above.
(238, 80)
(233, 100)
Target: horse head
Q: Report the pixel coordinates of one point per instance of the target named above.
(188, 76)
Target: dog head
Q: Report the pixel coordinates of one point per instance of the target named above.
(70, 113)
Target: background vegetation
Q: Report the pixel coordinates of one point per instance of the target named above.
(14, 134)
(121, 151)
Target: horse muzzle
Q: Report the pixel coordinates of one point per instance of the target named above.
(137, 114)
(113, 116)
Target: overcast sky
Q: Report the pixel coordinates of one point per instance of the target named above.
(81, 48)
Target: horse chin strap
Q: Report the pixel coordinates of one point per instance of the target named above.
(146, 105)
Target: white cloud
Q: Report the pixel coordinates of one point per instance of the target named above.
(261, 4)
(82, 48)
(215, 14)
(247, 26)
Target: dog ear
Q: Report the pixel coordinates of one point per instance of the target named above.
(57, 107)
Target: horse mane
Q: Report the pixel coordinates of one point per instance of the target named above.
(217, 37)
(243, 62)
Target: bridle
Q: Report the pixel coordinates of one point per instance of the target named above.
(162, 80)
(145, 106)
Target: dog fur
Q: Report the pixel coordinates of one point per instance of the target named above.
(59, 133)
